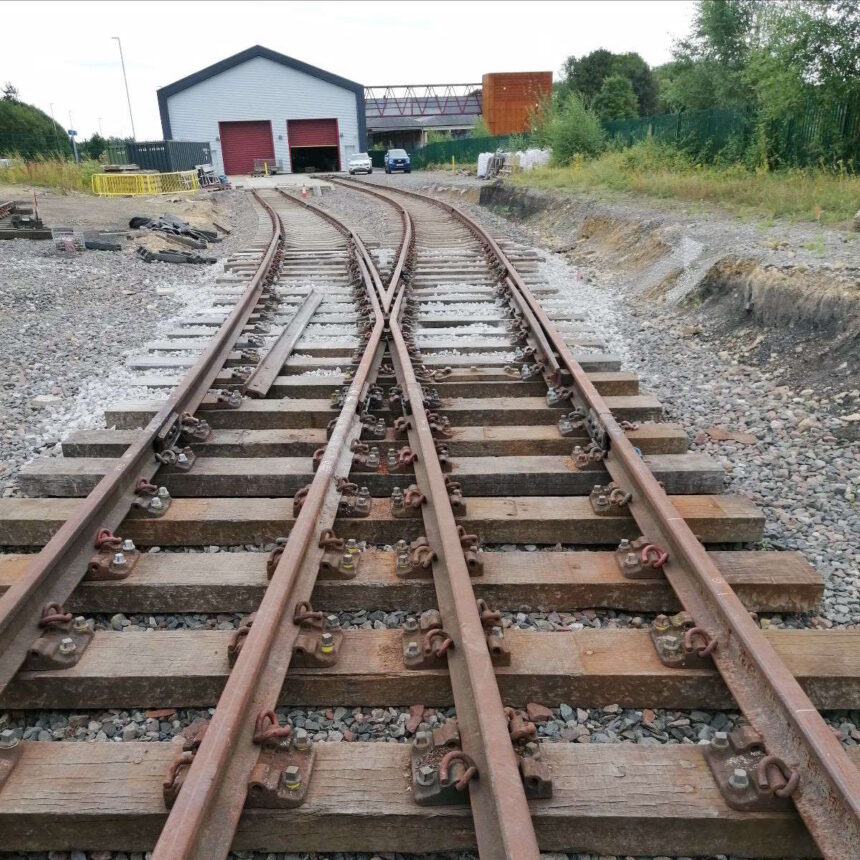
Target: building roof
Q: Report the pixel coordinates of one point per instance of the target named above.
(252, 53)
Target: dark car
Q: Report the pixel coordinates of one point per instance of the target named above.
(397, 159)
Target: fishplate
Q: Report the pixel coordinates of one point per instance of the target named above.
(491, 621)
(114, 559)
(441, 771)
(64, 639)
(680, 644)
(414, 559)
(609, 501)
(407, 504)
(425, 643)
(749, 779)
(10, 752)
(317, 645)
(282, 774)
(341, 558)
(190, 742)
(638, 559)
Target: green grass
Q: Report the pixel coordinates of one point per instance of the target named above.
(644, 169)
(54, 173)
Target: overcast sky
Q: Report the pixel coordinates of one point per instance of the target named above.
(68, 58)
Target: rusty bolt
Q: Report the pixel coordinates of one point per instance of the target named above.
(301, 740)
(410, 624)
(292, 777)
(426, 774)
(720, 741)
(332, 621)
(128, 545)
(8, 739)
(739, 780)
(80, 624)
(67, 646)
(422, 739)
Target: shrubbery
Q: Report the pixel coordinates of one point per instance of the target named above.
(569, 130)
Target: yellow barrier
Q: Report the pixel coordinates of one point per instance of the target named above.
(143, 184)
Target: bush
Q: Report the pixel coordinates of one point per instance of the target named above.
(572, 130)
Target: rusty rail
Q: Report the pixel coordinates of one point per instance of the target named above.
(62, 564)
(828, 797)
(266, 372)
(203, 820)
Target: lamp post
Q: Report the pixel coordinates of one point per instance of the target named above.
(125, 79)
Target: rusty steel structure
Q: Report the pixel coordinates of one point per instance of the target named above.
(243, 778)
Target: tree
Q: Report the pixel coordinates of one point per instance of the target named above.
(585, 75)
(29, 132)
(570, 129)
(94, 147)
(11, 93)
(616, 99)
(480, 128)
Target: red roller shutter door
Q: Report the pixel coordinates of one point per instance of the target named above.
(242, 142)
(312, 132)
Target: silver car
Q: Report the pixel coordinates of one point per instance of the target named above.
(360, 163)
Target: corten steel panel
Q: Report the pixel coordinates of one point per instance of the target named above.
(510, 97)
(242, 142)
(312, 132)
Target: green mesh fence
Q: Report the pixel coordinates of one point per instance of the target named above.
(464, 150)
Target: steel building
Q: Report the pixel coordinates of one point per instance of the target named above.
(261, 104)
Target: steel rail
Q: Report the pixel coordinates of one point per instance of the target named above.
(266, 372)
(828, 797)
(61, 565)
(203, 820)
(500, 811)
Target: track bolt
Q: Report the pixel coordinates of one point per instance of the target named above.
(392, 458)
(163, 494)
(128, 545)
(412, 650)
(332, 621)
(326, 643)
(347, 562)
(292, 777)
(403, 564)
(720, 741)
(67, 646)
(118, 560)
(373, 458)
(630, 560)
(182, 458)
(426, 774)
(80, 625)
(156, 504)
(739, 780)
(379, 430)
(410, 624)
(672, 646)
(301, 739)
(8, 739)
(624, 545)
(422, 739)
(661, 622)
(532, 749)
(352, 546)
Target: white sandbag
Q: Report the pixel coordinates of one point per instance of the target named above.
(483, 161)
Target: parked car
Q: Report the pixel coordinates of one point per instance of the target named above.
(360, 163)
(397, 159)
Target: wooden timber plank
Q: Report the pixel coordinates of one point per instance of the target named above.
(283, 476)
(649, 437)
(590, 361)
(522, 581)
(188, 668)
(547, 520)
(310, 412)
(618, 799)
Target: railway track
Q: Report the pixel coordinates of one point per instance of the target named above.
(422, 399)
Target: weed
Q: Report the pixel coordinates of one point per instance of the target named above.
(50, 173)
(658, 170)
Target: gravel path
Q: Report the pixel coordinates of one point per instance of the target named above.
(68, 323)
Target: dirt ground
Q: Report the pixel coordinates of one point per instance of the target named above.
(786, 294)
